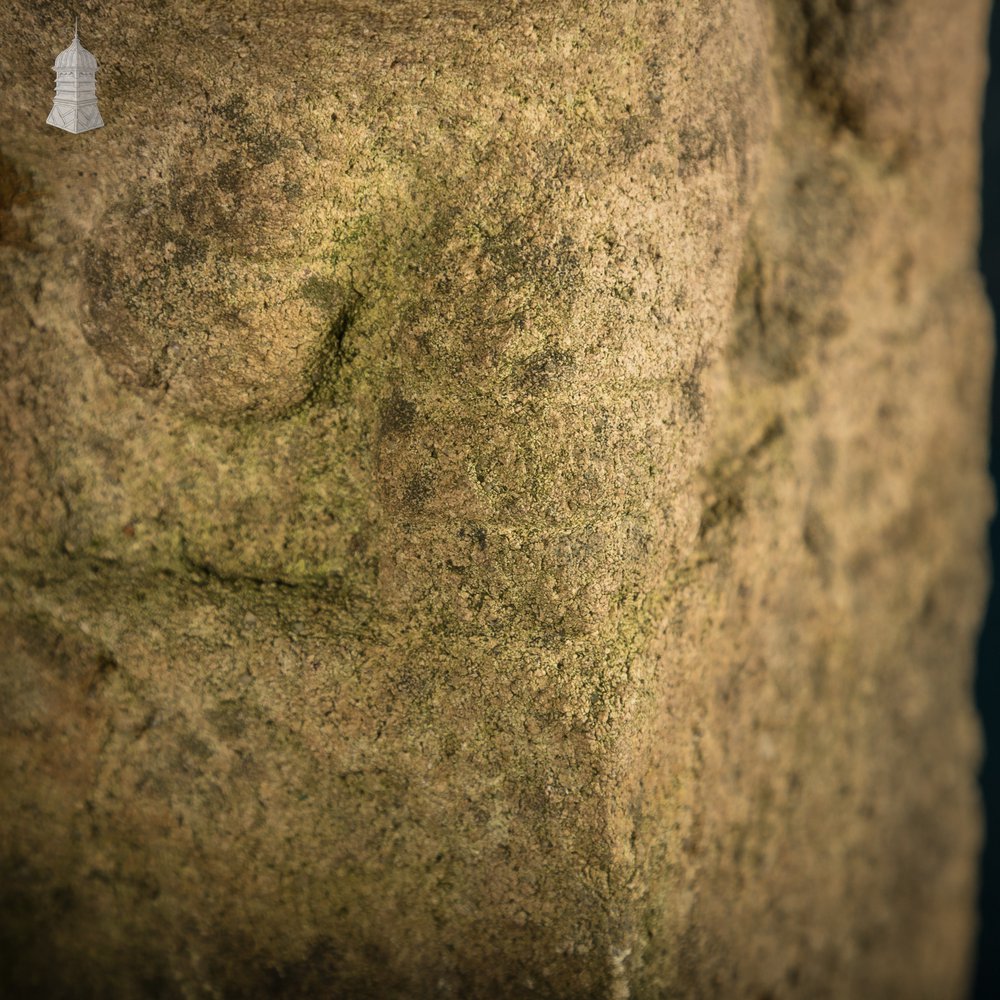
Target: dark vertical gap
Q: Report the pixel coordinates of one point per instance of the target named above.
(987, 973)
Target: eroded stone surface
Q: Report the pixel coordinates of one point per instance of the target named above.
(494, 501)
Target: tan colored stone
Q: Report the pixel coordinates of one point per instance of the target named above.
(494, 500)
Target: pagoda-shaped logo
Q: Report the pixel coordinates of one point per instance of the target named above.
(75, 106)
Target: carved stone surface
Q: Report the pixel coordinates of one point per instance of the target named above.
(493, 501)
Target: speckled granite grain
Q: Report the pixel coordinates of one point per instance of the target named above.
(493, 500)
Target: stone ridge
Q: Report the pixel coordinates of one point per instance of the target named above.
(494, 501)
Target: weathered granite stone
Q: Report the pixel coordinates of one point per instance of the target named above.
(493, 500)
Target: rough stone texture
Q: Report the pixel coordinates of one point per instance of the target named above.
(493, 500)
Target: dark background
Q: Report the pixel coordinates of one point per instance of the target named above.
(987, 983)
